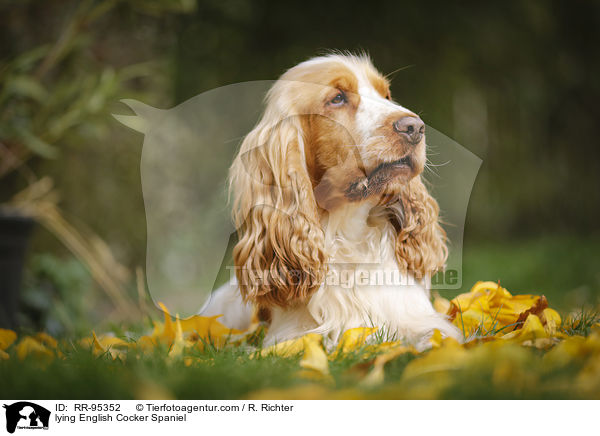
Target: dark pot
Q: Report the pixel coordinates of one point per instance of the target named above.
(15, 230)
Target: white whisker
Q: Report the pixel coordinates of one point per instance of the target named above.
(439, 165)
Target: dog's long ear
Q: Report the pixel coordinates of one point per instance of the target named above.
(279, 258)
(421, 242)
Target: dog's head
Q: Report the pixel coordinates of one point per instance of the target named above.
(330, 135)
(352, 131)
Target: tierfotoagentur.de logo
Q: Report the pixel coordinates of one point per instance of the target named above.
(24, 415)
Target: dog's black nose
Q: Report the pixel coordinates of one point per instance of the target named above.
(412, 127)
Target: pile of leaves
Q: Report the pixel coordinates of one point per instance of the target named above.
(515, 346)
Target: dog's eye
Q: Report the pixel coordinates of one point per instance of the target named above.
(338, 100)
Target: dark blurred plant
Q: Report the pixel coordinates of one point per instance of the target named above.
(54, 90)
(55, 95)
(56, 296)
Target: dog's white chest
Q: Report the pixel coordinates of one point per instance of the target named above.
(363, 287)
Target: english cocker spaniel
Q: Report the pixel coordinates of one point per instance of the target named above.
(336, 228)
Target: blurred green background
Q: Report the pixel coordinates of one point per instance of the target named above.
(514, 82)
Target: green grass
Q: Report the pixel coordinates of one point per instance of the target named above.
(219, 374)
(579, 323)
(564, 269)
(234, 373)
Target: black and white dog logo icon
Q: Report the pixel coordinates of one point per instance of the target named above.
(26, 415)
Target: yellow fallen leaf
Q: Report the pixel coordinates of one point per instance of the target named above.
(541, 343)
(29, 346)
(195, 328)
(577, 351)
(383, 347)
(489, 307)
(469, 321)
(209, 329)
(510, 364)
(98, 348)
(112, 345)
(532, 329)
(441, 305)
(105, 341)
(7, 337)
(168, 333)
(479, 295)
(588, 379)
(289, 348)
(314, 357)
(439, 359)
(551, 320)
(569, 349)
(157, 329)
(354, 338)
(376, 376)
(436, 339)
(47, 340)
(146, 343)
(178, 343)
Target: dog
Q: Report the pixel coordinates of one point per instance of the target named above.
(336, 228)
